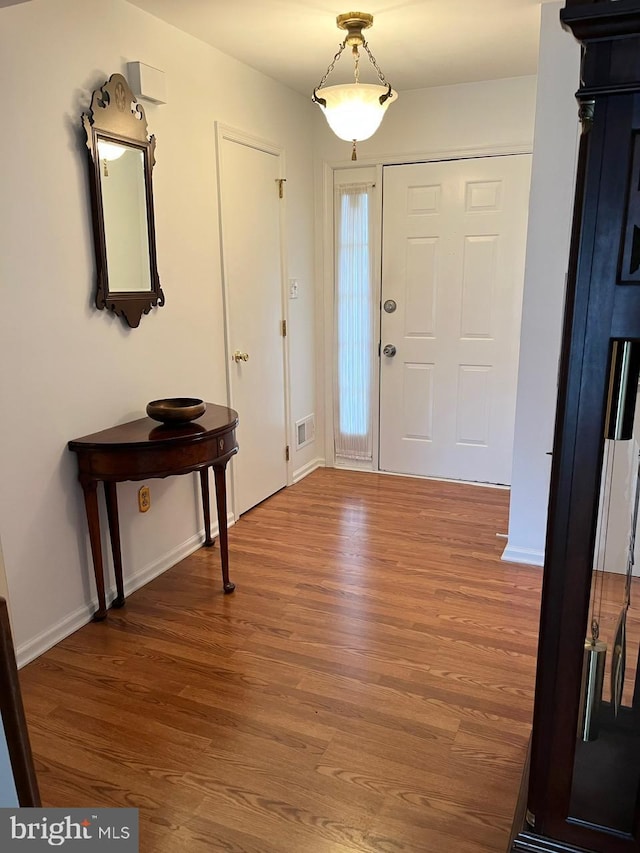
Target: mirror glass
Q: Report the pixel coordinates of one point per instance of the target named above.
(121, 161)
(124, 205)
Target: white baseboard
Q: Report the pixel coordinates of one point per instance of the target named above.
(32, 649)
(354, 465)
(307, 469)
(41, 643)
(526, 556)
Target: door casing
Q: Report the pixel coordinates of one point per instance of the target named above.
(231, 134)
(327, 262)
(476, 248)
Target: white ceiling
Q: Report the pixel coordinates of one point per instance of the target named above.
(417, 43)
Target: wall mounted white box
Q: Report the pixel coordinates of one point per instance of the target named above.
(147, 82)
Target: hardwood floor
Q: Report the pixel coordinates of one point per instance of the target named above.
(368, 687)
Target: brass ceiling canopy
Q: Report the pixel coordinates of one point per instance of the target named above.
(354, 23)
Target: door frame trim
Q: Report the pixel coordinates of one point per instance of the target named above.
(227, 133)
(326, 273)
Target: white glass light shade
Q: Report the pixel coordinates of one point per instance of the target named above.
(110, 150)
(354, 110)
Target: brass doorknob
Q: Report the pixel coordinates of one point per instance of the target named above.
(240, 356)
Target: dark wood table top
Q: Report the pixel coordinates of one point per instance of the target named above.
(146, 432)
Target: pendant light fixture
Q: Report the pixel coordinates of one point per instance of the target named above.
(108, 151)
(354, 110)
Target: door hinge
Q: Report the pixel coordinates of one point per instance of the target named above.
(379, 348)
(287, 454)
(283, 328)
(280, 182)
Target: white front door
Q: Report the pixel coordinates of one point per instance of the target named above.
(251, 247)
(454, 236)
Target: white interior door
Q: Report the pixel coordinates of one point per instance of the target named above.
(453, 251)
(251, 246)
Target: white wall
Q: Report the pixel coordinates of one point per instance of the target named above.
(472, 119)
(550, 211)
(468, 117)
(67, 369)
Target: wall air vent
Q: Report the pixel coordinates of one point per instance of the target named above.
(305, 431)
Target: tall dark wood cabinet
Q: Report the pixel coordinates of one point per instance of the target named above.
(584, 782)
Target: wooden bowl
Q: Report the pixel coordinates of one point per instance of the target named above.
(176, 410)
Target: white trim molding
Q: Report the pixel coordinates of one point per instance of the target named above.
(224, 132)
(430, 156)
(309, 468)
(325, 172)
(526, 556)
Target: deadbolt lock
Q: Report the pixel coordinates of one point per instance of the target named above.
(240, 356)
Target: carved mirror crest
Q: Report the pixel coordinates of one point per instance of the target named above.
(122, 156)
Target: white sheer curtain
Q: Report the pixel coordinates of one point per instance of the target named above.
(353, 323)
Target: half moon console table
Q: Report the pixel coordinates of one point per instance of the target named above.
(145, 449)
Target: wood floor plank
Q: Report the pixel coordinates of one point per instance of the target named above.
(367, 688)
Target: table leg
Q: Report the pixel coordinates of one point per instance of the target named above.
(221, 501)
(206, 511)
(90, 490)
(111, 496)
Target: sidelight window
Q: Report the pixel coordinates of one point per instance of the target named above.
(354, 323)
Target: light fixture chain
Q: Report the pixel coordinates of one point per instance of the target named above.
(332, 65)
(372, 59)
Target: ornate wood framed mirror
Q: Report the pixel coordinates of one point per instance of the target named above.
(121, 159)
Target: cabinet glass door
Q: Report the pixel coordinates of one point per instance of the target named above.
(606, 773)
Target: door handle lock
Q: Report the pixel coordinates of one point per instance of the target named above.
(240, 356)
(389, 350)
